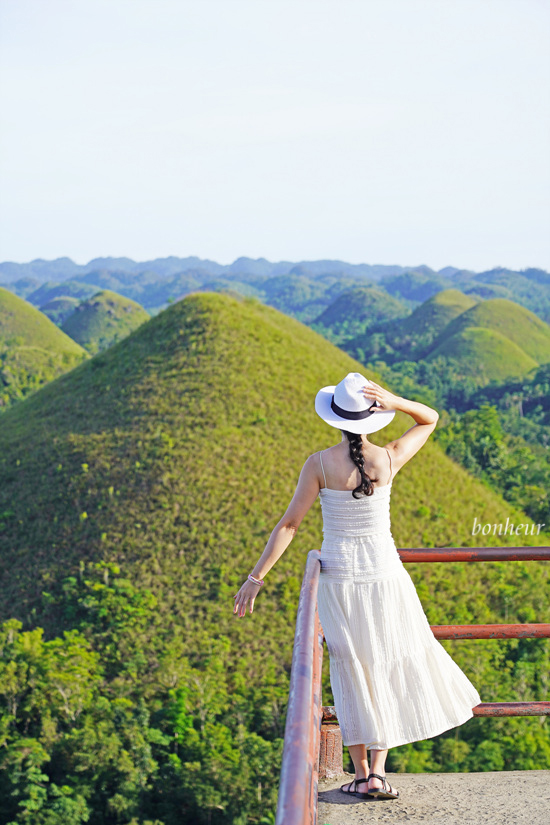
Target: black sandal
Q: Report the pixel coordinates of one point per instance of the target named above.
(386, 792)
(355, 792)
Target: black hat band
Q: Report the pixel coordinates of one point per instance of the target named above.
(348, 415)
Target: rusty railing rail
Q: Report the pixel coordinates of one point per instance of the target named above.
(297, 802)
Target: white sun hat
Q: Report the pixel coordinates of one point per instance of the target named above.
(346, 407)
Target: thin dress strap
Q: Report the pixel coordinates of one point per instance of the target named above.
(389, 456)
(322, 468)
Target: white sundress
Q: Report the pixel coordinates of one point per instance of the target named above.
(392, 681)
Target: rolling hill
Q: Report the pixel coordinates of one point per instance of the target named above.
(51, 290)
(415, 285)
(33, 350)
(356, 310)
(59, 309)
(433, 315)
(529, 287)
(411, 336)
(496, 338)
(104, 319)
(138, 491)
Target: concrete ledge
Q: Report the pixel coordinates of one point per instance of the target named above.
(492, 798)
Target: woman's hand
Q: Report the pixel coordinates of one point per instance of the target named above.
(386, 399)
(247, 593)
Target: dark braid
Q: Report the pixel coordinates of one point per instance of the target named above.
(356, 454)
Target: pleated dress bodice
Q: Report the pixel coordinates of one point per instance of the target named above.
(357, 538)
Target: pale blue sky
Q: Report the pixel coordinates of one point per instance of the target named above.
(377, 131)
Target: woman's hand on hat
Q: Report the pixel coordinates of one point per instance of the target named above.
(385, 399)
(246, 594)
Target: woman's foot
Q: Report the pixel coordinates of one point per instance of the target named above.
(357, 787)
(380, 788)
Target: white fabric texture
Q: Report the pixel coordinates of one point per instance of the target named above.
(392, 681)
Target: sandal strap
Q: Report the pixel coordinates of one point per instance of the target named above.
(377, 776)
(357, 781)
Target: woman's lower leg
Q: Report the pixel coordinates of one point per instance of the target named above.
(360, 761)
(377, 765)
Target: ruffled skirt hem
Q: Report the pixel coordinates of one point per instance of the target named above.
(393, 682)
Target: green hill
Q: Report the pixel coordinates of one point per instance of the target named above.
(412, 336)
(415, 286)
(434, 314)
(51, 290)
(529, 287)
(104, 319)
(59, 309)
(495, 338)
(298, 295)
(356, 310)
(167, 460)
(485, 354)
(33, 350)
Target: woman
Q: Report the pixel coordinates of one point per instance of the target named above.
(392, 681)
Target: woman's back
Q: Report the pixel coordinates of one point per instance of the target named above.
(342, 473)
(357, 539)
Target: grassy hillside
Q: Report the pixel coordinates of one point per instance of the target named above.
(103, 319)
(415, 286)
(518, 324)
(65, 289)
(356, 310)
(485, 354)
(434, 314)
(169, 458)
(59, 309)
(33, 350)
(411, 337)
(529, 287)
(495, 339)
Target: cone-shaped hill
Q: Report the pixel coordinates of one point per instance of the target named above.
(66, 289)
(175, 452)
(33, 350)
(435, 313)
(59, 309)
(495, 339)
(104, 319)
(356, 310)
(412, 336)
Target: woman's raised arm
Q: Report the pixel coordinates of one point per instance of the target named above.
(305, 494)
(403, 448)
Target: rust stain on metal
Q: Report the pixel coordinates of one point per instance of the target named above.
(297, 802)
(421, 554)
(512, 709)
(491, 631)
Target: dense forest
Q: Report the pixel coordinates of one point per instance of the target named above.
(139, 489)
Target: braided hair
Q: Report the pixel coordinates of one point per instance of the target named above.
(356, 454)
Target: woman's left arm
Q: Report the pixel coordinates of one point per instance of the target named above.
(305, 494)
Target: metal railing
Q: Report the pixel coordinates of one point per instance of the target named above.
(297, 802)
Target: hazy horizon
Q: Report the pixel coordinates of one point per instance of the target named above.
(259, 258)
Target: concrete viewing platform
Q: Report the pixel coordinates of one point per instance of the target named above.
(491, 798)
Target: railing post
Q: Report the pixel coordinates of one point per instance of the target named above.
(331, 761)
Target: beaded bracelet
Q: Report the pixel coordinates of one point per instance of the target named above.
(259, 582)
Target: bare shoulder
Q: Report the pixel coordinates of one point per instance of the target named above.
(402, 449)
(312, 465)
